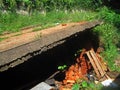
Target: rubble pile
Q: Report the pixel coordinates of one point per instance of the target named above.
(86, 62)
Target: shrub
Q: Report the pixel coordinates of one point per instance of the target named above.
(48, 5)
(108, 39)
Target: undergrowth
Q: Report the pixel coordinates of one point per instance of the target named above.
(108, 40)
(33, 5)
(109, 35)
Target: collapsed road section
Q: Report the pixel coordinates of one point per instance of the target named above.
(45, 66)
(20, 49)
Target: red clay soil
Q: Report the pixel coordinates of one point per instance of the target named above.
(27, 35)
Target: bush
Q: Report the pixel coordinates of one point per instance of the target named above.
(109, 16)
(31, 5)
(108, 39)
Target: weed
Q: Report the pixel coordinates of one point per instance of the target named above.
(76, 86)
(109, 35)
(108, 39)
(86, 85)
(38, 36)
(63, 67)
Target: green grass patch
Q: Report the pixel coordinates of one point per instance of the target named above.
(12, 22)
(108, 39)
(83, 16)
(109, 35)
(1, 39)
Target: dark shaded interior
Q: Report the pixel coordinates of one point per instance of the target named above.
(40, 67)
(114, 4)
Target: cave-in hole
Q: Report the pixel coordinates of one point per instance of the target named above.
(40, 67)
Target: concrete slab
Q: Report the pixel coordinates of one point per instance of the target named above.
(23, 47)
(42, 86)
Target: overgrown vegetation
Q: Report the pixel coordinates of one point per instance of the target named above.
(33, 5)
(108, 39)
(109, 35)
(86, 85)
(11, 22)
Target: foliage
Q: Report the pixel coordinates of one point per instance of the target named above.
(48, 5)
(76, 86)
(91, 86)
(109, 34)
(86, 85)
(12, 22)
(62, 67)
(108, 39)
(109, 16)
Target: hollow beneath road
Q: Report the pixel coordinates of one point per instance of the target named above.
(18, 49)
(40, 67)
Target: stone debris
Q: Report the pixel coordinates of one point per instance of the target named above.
(42, 86)
(86, 62)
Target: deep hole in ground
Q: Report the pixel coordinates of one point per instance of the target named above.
(40, 67)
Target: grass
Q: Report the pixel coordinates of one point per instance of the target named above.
(109, 35)
(90, 85)
(108, 40)
(11, 22)
(1, 39)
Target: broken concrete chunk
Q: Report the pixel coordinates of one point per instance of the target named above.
(42, 86)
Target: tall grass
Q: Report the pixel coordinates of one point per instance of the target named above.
(108, 39)
(12, 22)
(109, 35)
